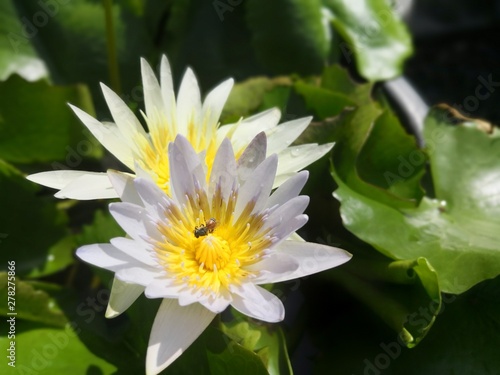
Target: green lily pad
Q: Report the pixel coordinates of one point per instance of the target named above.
(457, 231)
(374, 36)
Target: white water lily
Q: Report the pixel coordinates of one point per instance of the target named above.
(166, 116)
(207, 245)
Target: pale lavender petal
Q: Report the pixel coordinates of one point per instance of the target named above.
(134, 220)
(288, 190)
(258, 186)
(123, 183)
(223, 173)
(253, 155)
(174, 330)
(287, 211)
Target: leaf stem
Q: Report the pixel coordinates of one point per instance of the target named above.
(113, 68)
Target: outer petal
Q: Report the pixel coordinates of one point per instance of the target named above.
(106, 256)
(181, 181)
(258, 303)
(152, 93)
(122, 296)
(188, 103)
(91, 185)
(56, 179)
(174, 330)
(311, 257)
(253, 125)
(295, 158)
(282, 136)
(214, 103)
(286, 212)
(167, 91)
(108, 135)
(124, 118)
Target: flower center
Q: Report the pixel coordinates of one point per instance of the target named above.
(208, 250)
(212, 253)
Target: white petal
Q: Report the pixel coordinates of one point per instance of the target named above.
(311, 257)
(275, 263)
(282, 136)
(253, 125)
(253, 155)
(214, 103)
(174, 330)
(134, 220)
(134, 250)
(258, 303)
(258, 186)
(91, 185)
(167, 91)
(56, 179)
(295, 158)
(188, 103)
(123, 183)
(142, 275)
(223, 173)
(289, 189)
(122, 296)
(163, 288)
(108, 135)
(105, 256)
(152, 93)
(124, 118)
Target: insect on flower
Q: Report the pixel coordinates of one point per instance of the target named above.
(204, 230)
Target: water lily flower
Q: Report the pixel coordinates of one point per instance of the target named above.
(209, 244)
(166, 116)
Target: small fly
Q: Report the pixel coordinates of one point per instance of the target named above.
(204, 230)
